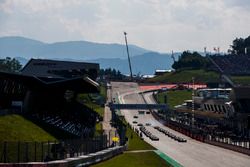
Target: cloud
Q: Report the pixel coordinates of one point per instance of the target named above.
(160, 25)
(242, 4)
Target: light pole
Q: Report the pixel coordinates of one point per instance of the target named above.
(131, 75)
(193, 104)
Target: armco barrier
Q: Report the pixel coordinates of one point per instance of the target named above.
(80, 161)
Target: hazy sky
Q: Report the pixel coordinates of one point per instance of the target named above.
(160, 25)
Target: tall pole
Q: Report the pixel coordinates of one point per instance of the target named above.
(131, 75)
(193, 104)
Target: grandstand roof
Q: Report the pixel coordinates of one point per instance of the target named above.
(79, 84)
(54, 68)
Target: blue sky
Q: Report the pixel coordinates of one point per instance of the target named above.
(160, 25)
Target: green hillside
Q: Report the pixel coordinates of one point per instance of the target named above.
(17, 128)
(145, 159)
(174, 98)
(186, 76)
(241, 79)
(199, 75)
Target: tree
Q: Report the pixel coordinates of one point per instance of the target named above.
(10, 65)
(189, 60)
(110, 74)
(239, 45)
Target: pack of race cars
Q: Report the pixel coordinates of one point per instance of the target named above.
(169, 134)
(148, 134)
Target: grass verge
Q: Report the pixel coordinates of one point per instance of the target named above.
(135, 142)
(17, 128)
(145, 159)
(202, 76)
(103, 91)
(241, 79)
(175, 97)
(86, 100)
(185, 76)
(135, 159)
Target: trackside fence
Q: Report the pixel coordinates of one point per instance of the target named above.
(15, 152)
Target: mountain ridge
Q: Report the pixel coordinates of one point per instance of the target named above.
(28, 48)
(107, 55)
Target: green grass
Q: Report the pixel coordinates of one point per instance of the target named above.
(186, 76)
(202, 76)
(16, 127)
(86, 100)
(176, 97)
(103, 91)
(98, 129)
(241, 79)
(89, 101)
(145, 159)
(97, 108)
(135, 142)
(142, 159)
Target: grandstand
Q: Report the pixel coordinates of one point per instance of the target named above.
(234, 105)
(233, 64)
(47, 90)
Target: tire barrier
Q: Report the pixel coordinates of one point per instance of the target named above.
(148, 134)
(171, 135)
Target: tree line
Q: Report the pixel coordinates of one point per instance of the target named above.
(110, 74)
(240, 46)
(189, 60)
(194, 60)
(10, 65)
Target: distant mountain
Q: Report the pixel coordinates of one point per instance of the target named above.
(78, 50)
(22, 60)
(144, 64)
(107, 55)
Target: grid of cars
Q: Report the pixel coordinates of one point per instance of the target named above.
(171, 135)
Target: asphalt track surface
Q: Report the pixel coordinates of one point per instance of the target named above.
(192, 153)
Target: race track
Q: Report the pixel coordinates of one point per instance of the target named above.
(192, 153)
